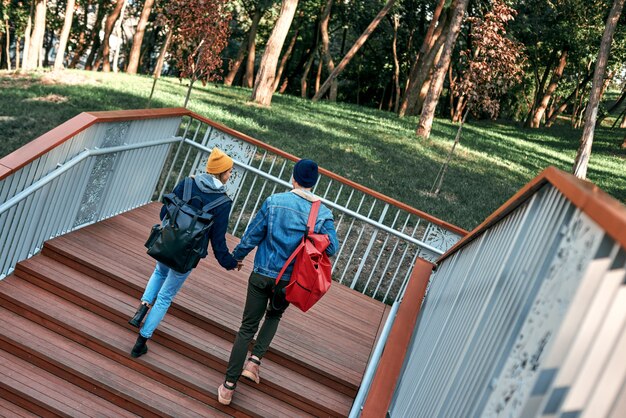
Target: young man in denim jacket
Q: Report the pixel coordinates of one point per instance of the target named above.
(276, 230)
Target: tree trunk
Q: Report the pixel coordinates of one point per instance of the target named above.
(82, 41)
(417, 93)
(328, 59)
(264, 84)
(416, 105)
(48, 40)
(353, 50)
(65, 34)
(396, 62)
(120, 33)
(584, 151)
(615, 105)
(623, 124)
(439, 73)
(318, 75)
(95, 37)
(285, 58)
(103, 53)
(248, 80)
(564, 103)
(554, 81)
(7, 35)
(17, 53)
(27, 35)
(36, 38)
(135, 50)
(427, 45)
(541, 83)
(159, 65)
(305, 74)
(234, 65)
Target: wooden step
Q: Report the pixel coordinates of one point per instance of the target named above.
(333, 340)
(92, 371)
(278, 381)
(44, 394)
(14, 410)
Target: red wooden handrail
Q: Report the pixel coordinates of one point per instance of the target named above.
(67, 130)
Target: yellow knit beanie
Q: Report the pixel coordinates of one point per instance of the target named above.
(218, 162)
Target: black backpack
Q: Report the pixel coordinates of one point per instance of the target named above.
(181, 240)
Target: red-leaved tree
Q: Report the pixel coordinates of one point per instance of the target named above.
(494, 65)
(199, 34)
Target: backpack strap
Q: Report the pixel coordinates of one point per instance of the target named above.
(310, 227)
(217, 202)
(187, 188)
(289, 260)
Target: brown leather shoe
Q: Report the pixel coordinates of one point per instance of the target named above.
(225, 393)
(251, 370)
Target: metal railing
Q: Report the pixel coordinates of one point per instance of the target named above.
(111, 167)
(526, 320)
(379, 241)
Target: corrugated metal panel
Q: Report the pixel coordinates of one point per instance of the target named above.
(496, 308)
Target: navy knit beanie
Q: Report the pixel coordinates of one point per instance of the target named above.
(305, 173)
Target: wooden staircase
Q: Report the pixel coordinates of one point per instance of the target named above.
(65, 340)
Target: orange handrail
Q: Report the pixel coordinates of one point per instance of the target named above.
(67, 130)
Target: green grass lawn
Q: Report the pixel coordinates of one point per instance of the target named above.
(368, 146)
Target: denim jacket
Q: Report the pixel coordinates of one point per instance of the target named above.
(277, 229)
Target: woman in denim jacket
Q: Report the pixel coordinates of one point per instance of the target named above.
(276, 230)
(165, 282)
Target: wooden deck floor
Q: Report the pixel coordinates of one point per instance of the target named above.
(64, 340)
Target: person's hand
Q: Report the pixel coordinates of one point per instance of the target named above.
(239, 264)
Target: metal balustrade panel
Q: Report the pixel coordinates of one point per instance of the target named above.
(447, 333)
(526, 320)
(80, 182)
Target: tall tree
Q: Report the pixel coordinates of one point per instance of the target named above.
(287, 54)
(328, 59)
(434, 91)
(65, 34)
(396, 62)
(264, 83)
(35, 44)
(565, 102)
(411, 90)
(135, 50)
(584, 150)
(545, 96)
(236, 63)
(248, 79)
(103, 52)
(353, 50)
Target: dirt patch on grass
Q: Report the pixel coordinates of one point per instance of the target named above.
(66, 78)
(51, 98)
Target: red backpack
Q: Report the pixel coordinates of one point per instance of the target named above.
(310, 278)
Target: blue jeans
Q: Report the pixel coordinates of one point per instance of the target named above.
(163, 285)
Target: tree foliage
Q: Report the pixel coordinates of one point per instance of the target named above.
(200, 33)
(495, 62)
